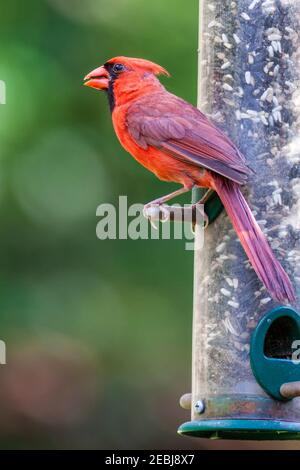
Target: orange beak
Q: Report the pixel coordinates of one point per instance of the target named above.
(98, 78)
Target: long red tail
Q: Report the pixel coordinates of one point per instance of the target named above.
(254, 242)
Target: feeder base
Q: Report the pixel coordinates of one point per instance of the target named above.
(241, 429)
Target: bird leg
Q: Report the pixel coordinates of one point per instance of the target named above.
(206, 196)
(148, 208)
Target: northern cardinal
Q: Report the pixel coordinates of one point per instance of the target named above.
(178, 143)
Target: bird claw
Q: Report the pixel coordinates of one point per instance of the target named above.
(165, 214)
(200, 208)
(150, 212)
(206, 220)
(153, 211)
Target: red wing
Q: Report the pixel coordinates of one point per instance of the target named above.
(167, 122)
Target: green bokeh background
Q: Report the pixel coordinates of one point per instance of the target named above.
(119, 310)
(98, 333)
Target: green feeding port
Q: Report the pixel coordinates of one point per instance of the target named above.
(273, 351)
(281, 335)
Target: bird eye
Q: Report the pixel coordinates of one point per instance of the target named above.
(118, 68)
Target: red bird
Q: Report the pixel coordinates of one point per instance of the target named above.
(175, 141)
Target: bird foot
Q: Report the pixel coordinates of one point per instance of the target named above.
(154, 212)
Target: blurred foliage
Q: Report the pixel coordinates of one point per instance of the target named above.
(121, 309)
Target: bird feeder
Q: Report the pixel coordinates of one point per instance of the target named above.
(245, 367)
